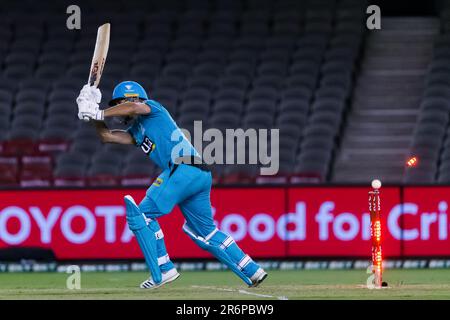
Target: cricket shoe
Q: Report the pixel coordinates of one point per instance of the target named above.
(167, 277)
(257, 278)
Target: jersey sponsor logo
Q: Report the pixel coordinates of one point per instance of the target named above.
(158, 182)
(147, 145)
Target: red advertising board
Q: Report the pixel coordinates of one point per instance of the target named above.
(337, 222)
(253, 217)
(74, 224)
(425, 221)
(266, 222)
(91, 224)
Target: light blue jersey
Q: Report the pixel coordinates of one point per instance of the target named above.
(158, 136)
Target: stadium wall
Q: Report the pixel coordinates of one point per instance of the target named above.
(268, 222)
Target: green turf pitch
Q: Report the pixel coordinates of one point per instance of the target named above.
(304, 284)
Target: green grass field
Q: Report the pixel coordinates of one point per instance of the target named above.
(304, 284)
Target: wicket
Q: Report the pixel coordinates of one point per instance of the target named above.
(375, 233)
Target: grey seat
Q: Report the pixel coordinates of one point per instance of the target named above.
(55, 133)
(4, 123)
(73, 159)
(342, 80)
(197, 95)
(180, 70)
(58, 120)
(273, 68)
(234, 81)
(261, 93)
(429, 129)
(20, 58)
(147, 56)
(228, 106)
(139, 169)
(180, 57)
(273, 81)
(68, 171)
(240, 68)
(321, 142)
(66, 95)
(194, 106)
(297, 93)
(261, 105)
(6, 96)
(31, 95)
(169, 82)
(243, 56)
(257, 121)
(23, 132)
(106, 157)
(438, 78)
(18, 72)
(331, 92)
(444, 177)
(438, 118)
(103, 169)
(314, 166)
(319, 130)
(426, 141)
(308, 66)
(118, 149)
(295, 117)
(329, 104)
(208, 68)
(229, 93)
(432, 104)
(148, 70)
(35, 84)
(212, 56)
(207, 82)
(33, 108)
(437, 91)
(227, 120)
(60, 108)
(330, 118)
(85, 146)
(27, 120)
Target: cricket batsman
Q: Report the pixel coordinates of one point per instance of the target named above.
(185, 181)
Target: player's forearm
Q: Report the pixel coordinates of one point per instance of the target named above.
(127, 109)
(102, 130)
(115, 136)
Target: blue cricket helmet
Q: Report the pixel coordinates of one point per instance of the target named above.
(128, 89)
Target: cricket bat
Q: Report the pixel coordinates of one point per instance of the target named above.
(100, 53)
(99, 57)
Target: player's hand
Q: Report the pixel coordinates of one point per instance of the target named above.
(90, 110)
(90, 93)
(88, 101)
(96, 94)
(83, 108)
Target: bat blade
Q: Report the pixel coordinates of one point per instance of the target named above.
(100, 53)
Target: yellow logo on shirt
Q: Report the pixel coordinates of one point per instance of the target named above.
(158, 182)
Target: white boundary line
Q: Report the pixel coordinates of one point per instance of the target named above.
(241, 291)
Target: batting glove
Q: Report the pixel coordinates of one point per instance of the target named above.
(90, 93)
(96, 94)
(93, 112)
(88, 109)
